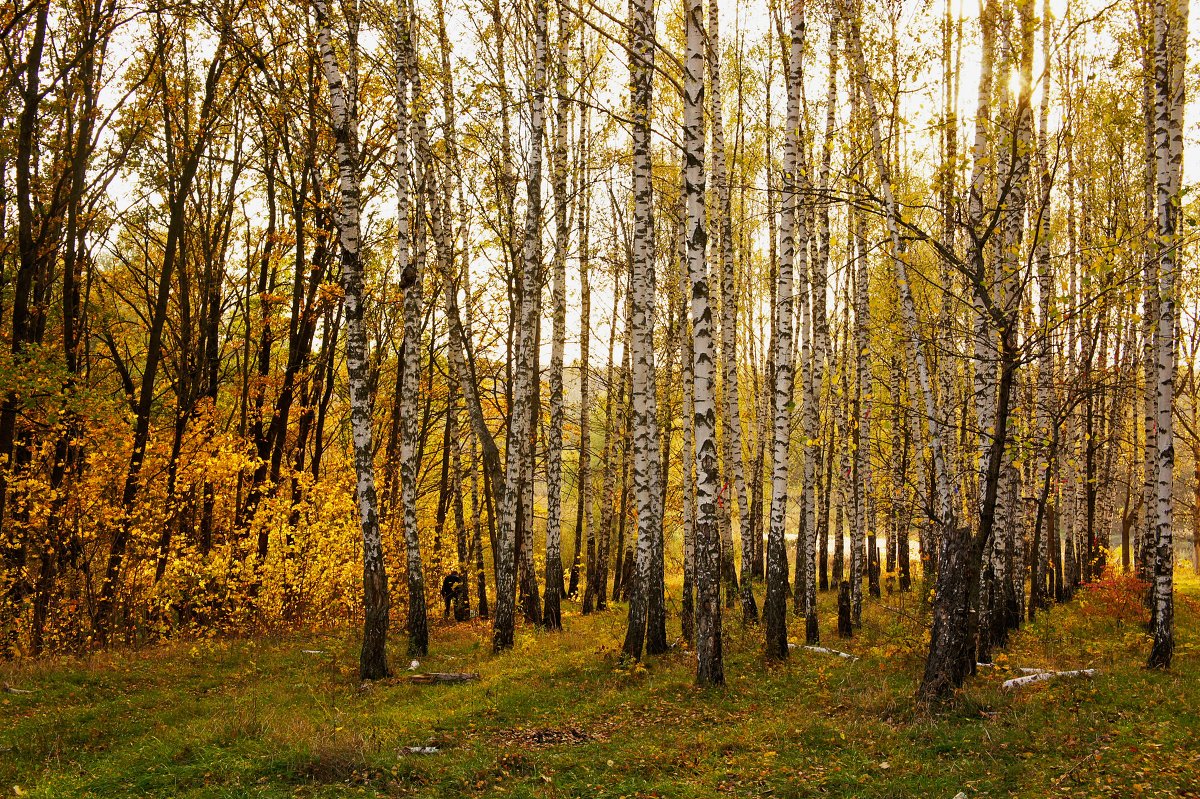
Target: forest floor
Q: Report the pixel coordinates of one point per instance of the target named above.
(562, 715)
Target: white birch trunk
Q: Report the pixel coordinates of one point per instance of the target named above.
(519, 433)
(815, 380)
(646, 453)
(863, 487)
(792, 223)
(1170, 53)
(710, 668)
(687, 463)
(552, 612)
(1045, 410)
(734, 459)
(373, 658)
(1145, 536)
(585, 523)
(411, 280)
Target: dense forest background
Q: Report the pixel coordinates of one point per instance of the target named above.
(579, 301)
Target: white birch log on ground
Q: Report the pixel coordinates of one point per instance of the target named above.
(827, 651)
(1040, 676)
(431, 677)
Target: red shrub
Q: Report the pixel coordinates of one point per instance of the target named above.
(1119, 596)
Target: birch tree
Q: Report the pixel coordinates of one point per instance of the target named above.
(519, 430)
(950, 633)
(814, 452)
(793, 235)
(732, 439)
(372, 663)
(552, 613)
(584, 507)
(1170, 53)
(411, 271)
(647, 624)
(710, 665)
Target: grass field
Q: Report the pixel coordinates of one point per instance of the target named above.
(562, 715)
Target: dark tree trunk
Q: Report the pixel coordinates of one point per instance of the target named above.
(953, 637)
(845, 628)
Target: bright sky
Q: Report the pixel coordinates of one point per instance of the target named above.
(748, 21)
(919, 35)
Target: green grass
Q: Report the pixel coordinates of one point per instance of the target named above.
(561, 716)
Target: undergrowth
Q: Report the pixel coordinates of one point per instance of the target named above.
(563, 715)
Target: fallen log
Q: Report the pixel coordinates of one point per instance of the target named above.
(1039, 676)
(827, 651)
(440, 676)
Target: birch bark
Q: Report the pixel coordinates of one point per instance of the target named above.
(792, 226)
(734, 460)
(519, 447)
(950, 613)
(373, 657)
(410, 279)
(552, 611)
(1170, 53)
(646, 619)
(814, 452)
(584, 510)
(710, 668)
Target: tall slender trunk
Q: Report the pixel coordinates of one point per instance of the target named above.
(808, 409)
(620, 496)
(732, 439)
(411, 278)
(826, 506)
(519, 448)
(552, 611)
(584, 508)
(477, 510)
(1170, 53)
(863, 484)
(766, 401)
(687, 612)
(373, 659)
(710, 662)
(528, 590)
(1150, 311)
(647, 623)
(846, 488)
(793, 234)
(462, 597)
(1045, 412)
(948, 617)
(949, 397)
(988, 278)
(814, 452)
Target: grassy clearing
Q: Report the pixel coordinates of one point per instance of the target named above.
(561, 715)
